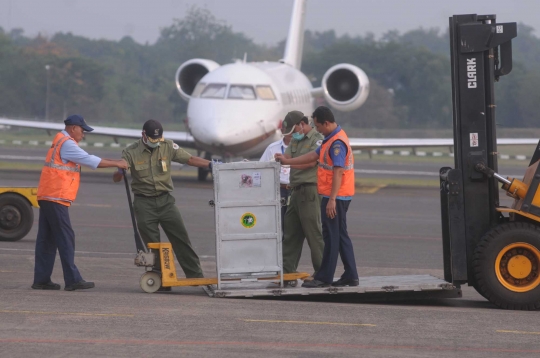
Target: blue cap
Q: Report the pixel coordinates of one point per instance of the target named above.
(76, 120)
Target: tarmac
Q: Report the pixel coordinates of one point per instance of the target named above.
(394, 232)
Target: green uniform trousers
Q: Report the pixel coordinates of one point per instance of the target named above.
(303, 220)
(151, 212)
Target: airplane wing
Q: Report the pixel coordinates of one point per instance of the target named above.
(375, 143)
(183, 139)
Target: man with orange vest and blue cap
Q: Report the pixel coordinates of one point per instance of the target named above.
(58, 186)
(335, 183)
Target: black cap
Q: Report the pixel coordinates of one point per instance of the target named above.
(76, 120)
(153, 130)
(291, 119)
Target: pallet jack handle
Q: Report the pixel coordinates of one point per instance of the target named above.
(139, 243)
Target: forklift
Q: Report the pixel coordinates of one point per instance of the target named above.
(493, 248)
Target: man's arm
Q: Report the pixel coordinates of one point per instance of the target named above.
(304, 166)
(336, 184)
(119, 174)
(308, 158)
(198, 162)
(113, 163)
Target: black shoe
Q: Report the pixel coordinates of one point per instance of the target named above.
(164, 289)
(345, 282)
(82, 285)
(315, 284)
(46, 286)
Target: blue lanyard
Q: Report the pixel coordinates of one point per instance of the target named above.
(282, 151)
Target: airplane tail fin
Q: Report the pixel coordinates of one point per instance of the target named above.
(295, 39)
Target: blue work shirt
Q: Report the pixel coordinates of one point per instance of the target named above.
(71, 152)
(337, 153)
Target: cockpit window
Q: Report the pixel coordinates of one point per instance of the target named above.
(198, 89)
(214, 90)
(241, 92)
(265, 92)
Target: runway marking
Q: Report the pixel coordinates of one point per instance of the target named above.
(398, 237)
(396, 172)
(308, 345)
(369, 189)
(308, 322)
(517, 332)
(94, 205)
(20, 157)
(89, 252)
(70, 313)
(77, 252)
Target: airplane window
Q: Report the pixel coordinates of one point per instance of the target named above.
(214, 90)
(198, 89)
(265, 92)
(241, 92)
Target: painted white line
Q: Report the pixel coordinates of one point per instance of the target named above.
(115, 145)
(97, 252)
(77, 252)
(20, 157)
(98, 144)
(33, 142)
(407, 172)
(521, 157)
(505, 156)
(420, 154)
(396, 172)
(388, 152)
(17, 142)
(49, 142)
(404, 153)
(437, 154)
(83, 144)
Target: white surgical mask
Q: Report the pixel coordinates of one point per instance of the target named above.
(150, 144)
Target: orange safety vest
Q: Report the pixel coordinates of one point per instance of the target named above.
(59, 182)
(325, 172)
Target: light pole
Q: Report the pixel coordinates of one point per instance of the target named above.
(47, 67)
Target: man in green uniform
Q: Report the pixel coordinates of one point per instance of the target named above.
(303, 216)
(149, 160)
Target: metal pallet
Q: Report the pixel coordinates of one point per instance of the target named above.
(367, 285)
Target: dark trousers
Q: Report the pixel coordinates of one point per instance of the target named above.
(55, 233)
(284, 196)
(152, 212)
(336, 242)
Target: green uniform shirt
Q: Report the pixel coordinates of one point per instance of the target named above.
(296, 148)
(151, 168)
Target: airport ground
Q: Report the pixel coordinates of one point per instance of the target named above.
(394, 231)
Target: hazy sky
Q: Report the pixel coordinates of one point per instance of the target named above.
(265, 21)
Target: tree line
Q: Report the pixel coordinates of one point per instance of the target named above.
(128, 82)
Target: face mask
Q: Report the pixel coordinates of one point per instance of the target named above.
(150, 144)
(298, 136)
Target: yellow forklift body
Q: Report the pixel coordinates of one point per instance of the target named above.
(30, 193)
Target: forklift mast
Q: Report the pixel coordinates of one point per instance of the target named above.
(481, 52)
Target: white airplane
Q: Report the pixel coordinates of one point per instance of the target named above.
(237, 109)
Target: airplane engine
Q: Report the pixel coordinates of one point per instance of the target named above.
(345, 87)
(190, 73)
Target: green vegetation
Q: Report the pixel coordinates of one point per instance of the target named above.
(126, 82)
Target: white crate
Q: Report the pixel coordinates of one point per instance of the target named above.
(248, 222)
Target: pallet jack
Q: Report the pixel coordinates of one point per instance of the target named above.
(165, 275)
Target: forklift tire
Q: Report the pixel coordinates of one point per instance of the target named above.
(507, 266)
(16, 217)
(150, 281)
